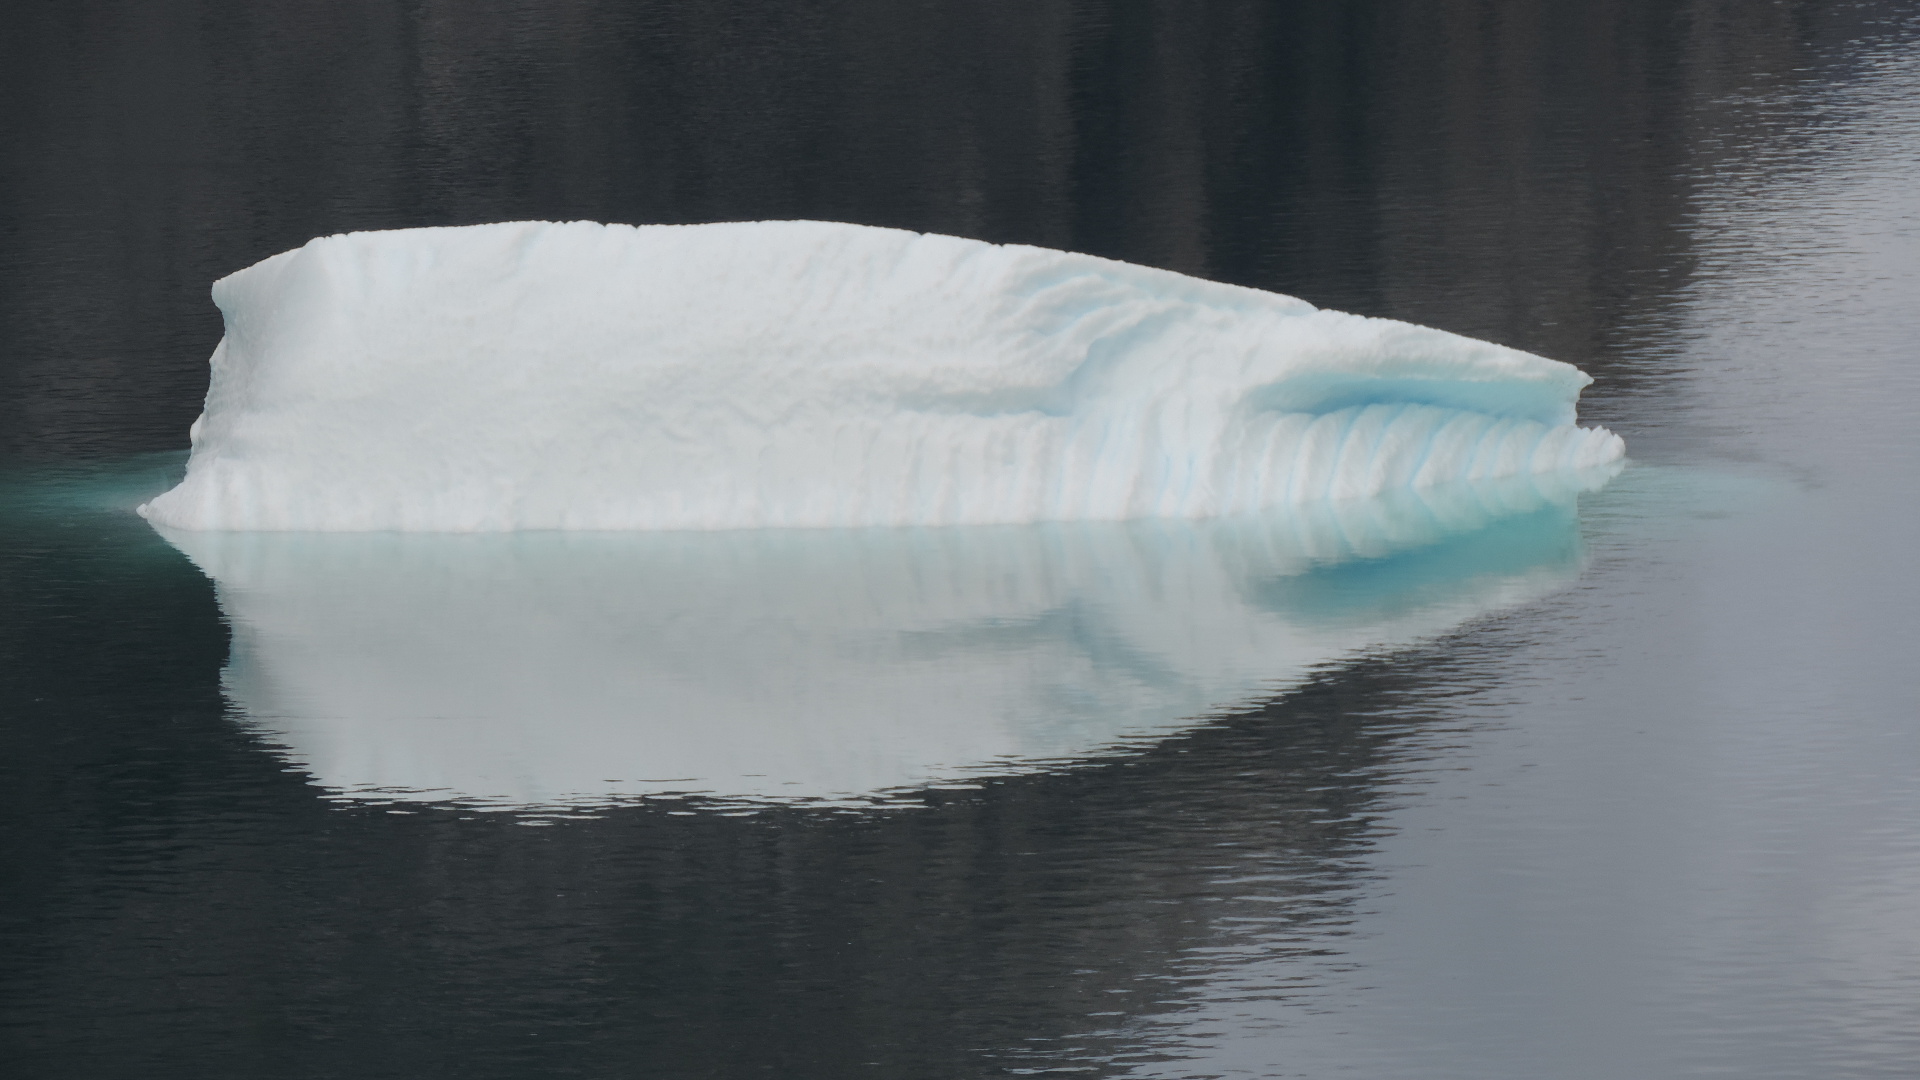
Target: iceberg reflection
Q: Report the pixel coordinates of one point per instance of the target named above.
(569, 668)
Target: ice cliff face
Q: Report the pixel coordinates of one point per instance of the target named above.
(778, 374)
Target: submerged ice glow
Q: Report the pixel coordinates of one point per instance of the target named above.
(806, 374)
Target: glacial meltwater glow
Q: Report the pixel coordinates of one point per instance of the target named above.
(534, 375)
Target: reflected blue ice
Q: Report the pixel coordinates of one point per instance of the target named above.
(541, 669)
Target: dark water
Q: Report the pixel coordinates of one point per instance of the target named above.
(1656, 821)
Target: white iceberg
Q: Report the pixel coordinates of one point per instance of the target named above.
(581, 668)
(805, 374)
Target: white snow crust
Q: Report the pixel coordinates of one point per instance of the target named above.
(535, 375)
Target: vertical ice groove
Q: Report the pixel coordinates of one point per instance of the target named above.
(1396, 416)
(1436, 433)
(539, 375)
(1436, 423)
(1484, 457)
(1299, 467)
(1337, 461)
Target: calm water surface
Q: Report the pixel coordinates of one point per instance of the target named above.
(1535, 787)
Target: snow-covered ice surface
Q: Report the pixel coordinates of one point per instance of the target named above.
(549, 669)
(534, 375)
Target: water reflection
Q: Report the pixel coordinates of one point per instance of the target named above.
(542, 669)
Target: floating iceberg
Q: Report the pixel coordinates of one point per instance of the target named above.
(805, 374)
(582, 668)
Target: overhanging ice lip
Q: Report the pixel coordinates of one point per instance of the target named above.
(534, 375)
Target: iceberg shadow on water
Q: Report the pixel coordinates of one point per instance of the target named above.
(555, 669)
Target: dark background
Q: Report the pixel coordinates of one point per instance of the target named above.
(176, 903)
(1503, 168)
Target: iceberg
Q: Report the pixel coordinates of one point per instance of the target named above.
(830, 666)
(580, 376)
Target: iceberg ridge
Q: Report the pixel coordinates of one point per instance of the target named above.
(534, 375)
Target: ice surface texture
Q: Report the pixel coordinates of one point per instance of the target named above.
(778, 374)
